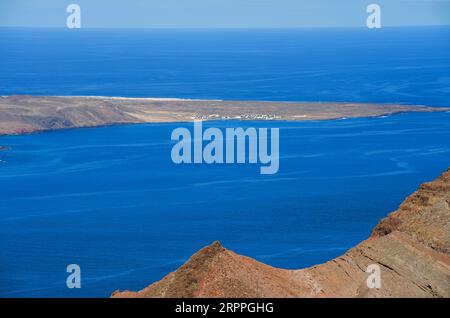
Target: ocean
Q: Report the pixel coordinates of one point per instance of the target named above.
(111, 200)
(390, 65)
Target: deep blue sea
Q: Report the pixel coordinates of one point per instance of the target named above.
(390, 65)
(111, 200)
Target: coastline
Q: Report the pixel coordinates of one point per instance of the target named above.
(21, 114)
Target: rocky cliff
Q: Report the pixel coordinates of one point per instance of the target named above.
(411, 248)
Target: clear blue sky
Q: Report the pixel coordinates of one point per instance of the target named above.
(222, 13)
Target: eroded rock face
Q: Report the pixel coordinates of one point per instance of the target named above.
(425, 216)
(411, 247)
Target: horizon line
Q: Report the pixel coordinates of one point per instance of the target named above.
(223, 28)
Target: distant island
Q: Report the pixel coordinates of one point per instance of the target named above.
(26, 114)
(411, 247)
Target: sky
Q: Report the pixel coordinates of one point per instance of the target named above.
(223, 13)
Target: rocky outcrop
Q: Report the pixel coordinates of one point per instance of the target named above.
(411, 248)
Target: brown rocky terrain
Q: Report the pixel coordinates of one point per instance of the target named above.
(24, 114)
(411, 246)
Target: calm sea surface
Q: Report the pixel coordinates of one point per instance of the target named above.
(401, 65)
(111, 200)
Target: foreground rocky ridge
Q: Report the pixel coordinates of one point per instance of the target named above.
(411, 246)
(25, 114)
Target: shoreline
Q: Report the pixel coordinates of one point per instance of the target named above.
(159, 99)
(191, 121)
(23, 114)
(162, 99)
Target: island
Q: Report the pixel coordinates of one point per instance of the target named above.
(26, 114)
